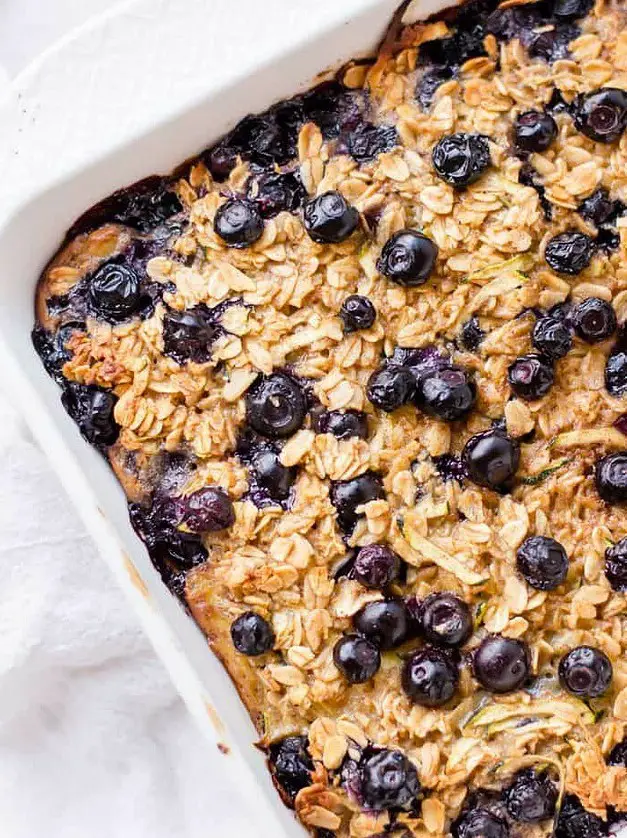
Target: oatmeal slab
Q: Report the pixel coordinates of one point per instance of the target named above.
(361, 370)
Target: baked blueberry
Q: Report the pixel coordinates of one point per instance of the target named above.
(329, 219)
(534, 131)
(272, 475)
(365, 142)
(552, 337)
(597, 208)
(616, 565)
(479, 823)
(574, 821)
(571, 9)
(531, 797)
(347, 495)
(420, 361)
(552, 44)
(384, 623)
(429, 82)
(610, 475)
(471, 335)
(594, 320)
(602, 114)
(275, 406)
(430, 677)
(616, 371)
(585, 672)
(357, 658)
(445, 619)
(450, 467)
(502, 664)
(333, 108)
(52, 347)
(389, 781)
(408, 258)
(343, 425)
(357, 312)
(114, 292)
(238, 223)
(188, 335)
(528, 176)
(543, 562)
(390, 387)
(569, 253)
(460, 159)
(251, 634)
(448, 394)
(171, 550)
(92, 410)
(491, 459)
(207, 510)
(275, 192)
(618, 754)
(376, 566)
(291, 765)
(262, 140)
(530, 377)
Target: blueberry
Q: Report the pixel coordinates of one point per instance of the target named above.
(594, 320)
(272, 475)
(430, 677)
(376, 566)
(408, 258)
(472, 335)
(450, 467)
(610, 476)
(347, 495)
(542, 562)
(189, 335)
(460, 159)
(384, 623)
(275, 406)
(207, 510)
(52, 347)
(571, 9)
(552, 44)
(552, 337)
(597, 208)
(429, 82)
(445, 620)
(351, 423)
(466, 42)
(531, 797)
(447, 394)
(528, 176)
(357, 312)
(389, 781)
(367, 141)
(329, 219)
(357, 658)
(92, 410)
(530, 377)
(618, 754)
(391, 387)
(616, 565)
(479, 823)
(574, 822)
(585, 672)
(333, 108)
(238, 223)
(616, 372)
(221, 159)
(420, 361)
(569, 253)
(502, 664)
(275, 192)
(114, 292)
(251, 634)
(491, 459)
(601, 115)
(534, 131)
(291, 765)
(170, 549)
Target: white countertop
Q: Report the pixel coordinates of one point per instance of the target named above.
(94, 741)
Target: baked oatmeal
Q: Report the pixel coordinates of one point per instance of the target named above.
(361, 369)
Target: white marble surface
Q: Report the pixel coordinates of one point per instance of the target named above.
(93, 738)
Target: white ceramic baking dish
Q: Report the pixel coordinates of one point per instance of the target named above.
(135, 93)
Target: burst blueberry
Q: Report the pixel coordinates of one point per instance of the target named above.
(408, 258)
(460, 159)
(291, 765)
(479, 823)
(445, 620)
(616, 372)
(367, 141)
(391, 387)
(502, 664)
(491, 459)
(357, 312)
(552, 337)
(92, 410)
(251, 634)
(276, 406)
(429, 82)
(569, 253)
(357, 658)
(575, 822)
(571, 9)
(585, 672)
(534, 131)
(594, 320)
(347, 495)
(448, 394)
(610, 475)
(343, 424)
(618, 754)
(275, 192)
(530, 377)
(384, 623)
(114, 292)
(531, 797)
(388, 781)
(616, 565)
(238, 223)
(272, 475)
(471, 335)
(602, 114)
(542, 562)
(597, 208)
(376, 566)
(329, 218)
(188, 335)
(207, 510)
(430, 677)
